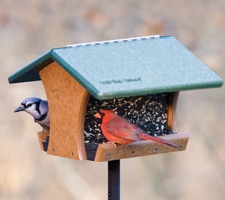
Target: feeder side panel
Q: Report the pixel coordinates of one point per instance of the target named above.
(172, 111)
(67, 103)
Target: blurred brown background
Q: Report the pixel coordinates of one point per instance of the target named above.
(30, 28)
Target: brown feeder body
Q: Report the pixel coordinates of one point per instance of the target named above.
(67, 122)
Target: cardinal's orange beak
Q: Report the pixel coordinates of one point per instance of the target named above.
(98, 115)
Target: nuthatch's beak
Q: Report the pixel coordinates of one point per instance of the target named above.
(20, 108)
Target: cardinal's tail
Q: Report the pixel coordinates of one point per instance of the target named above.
(145, 136)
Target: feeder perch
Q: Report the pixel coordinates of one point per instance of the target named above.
(140, 78)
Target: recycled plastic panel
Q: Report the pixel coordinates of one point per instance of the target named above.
(107, 151)
(128, 67)
(67, 105)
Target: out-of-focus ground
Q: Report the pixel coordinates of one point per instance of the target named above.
(30, 28)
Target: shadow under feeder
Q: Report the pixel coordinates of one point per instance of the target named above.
(130, 67)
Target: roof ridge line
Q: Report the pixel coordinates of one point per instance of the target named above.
(114, 41)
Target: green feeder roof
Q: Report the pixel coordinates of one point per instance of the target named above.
(127, 67)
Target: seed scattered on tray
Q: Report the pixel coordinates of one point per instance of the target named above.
(149, 112)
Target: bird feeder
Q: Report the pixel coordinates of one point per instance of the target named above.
(139, 78)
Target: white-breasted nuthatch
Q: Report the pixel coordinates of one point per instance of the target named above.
(38, 108)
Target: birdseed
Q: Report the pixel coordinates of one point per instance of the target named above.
(149, 112)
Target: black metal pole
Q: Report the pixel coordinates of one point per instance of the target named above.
(114, 180)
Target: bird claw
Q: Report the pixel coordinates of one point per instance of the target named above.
(111, 142)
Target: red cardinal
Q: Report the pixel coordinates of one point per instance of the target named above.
(118, 130)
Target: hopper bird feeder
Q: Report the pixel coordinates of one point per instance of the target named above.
(139, 78)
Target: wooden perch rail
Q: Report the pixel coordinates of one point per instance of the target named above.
(107, 151)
